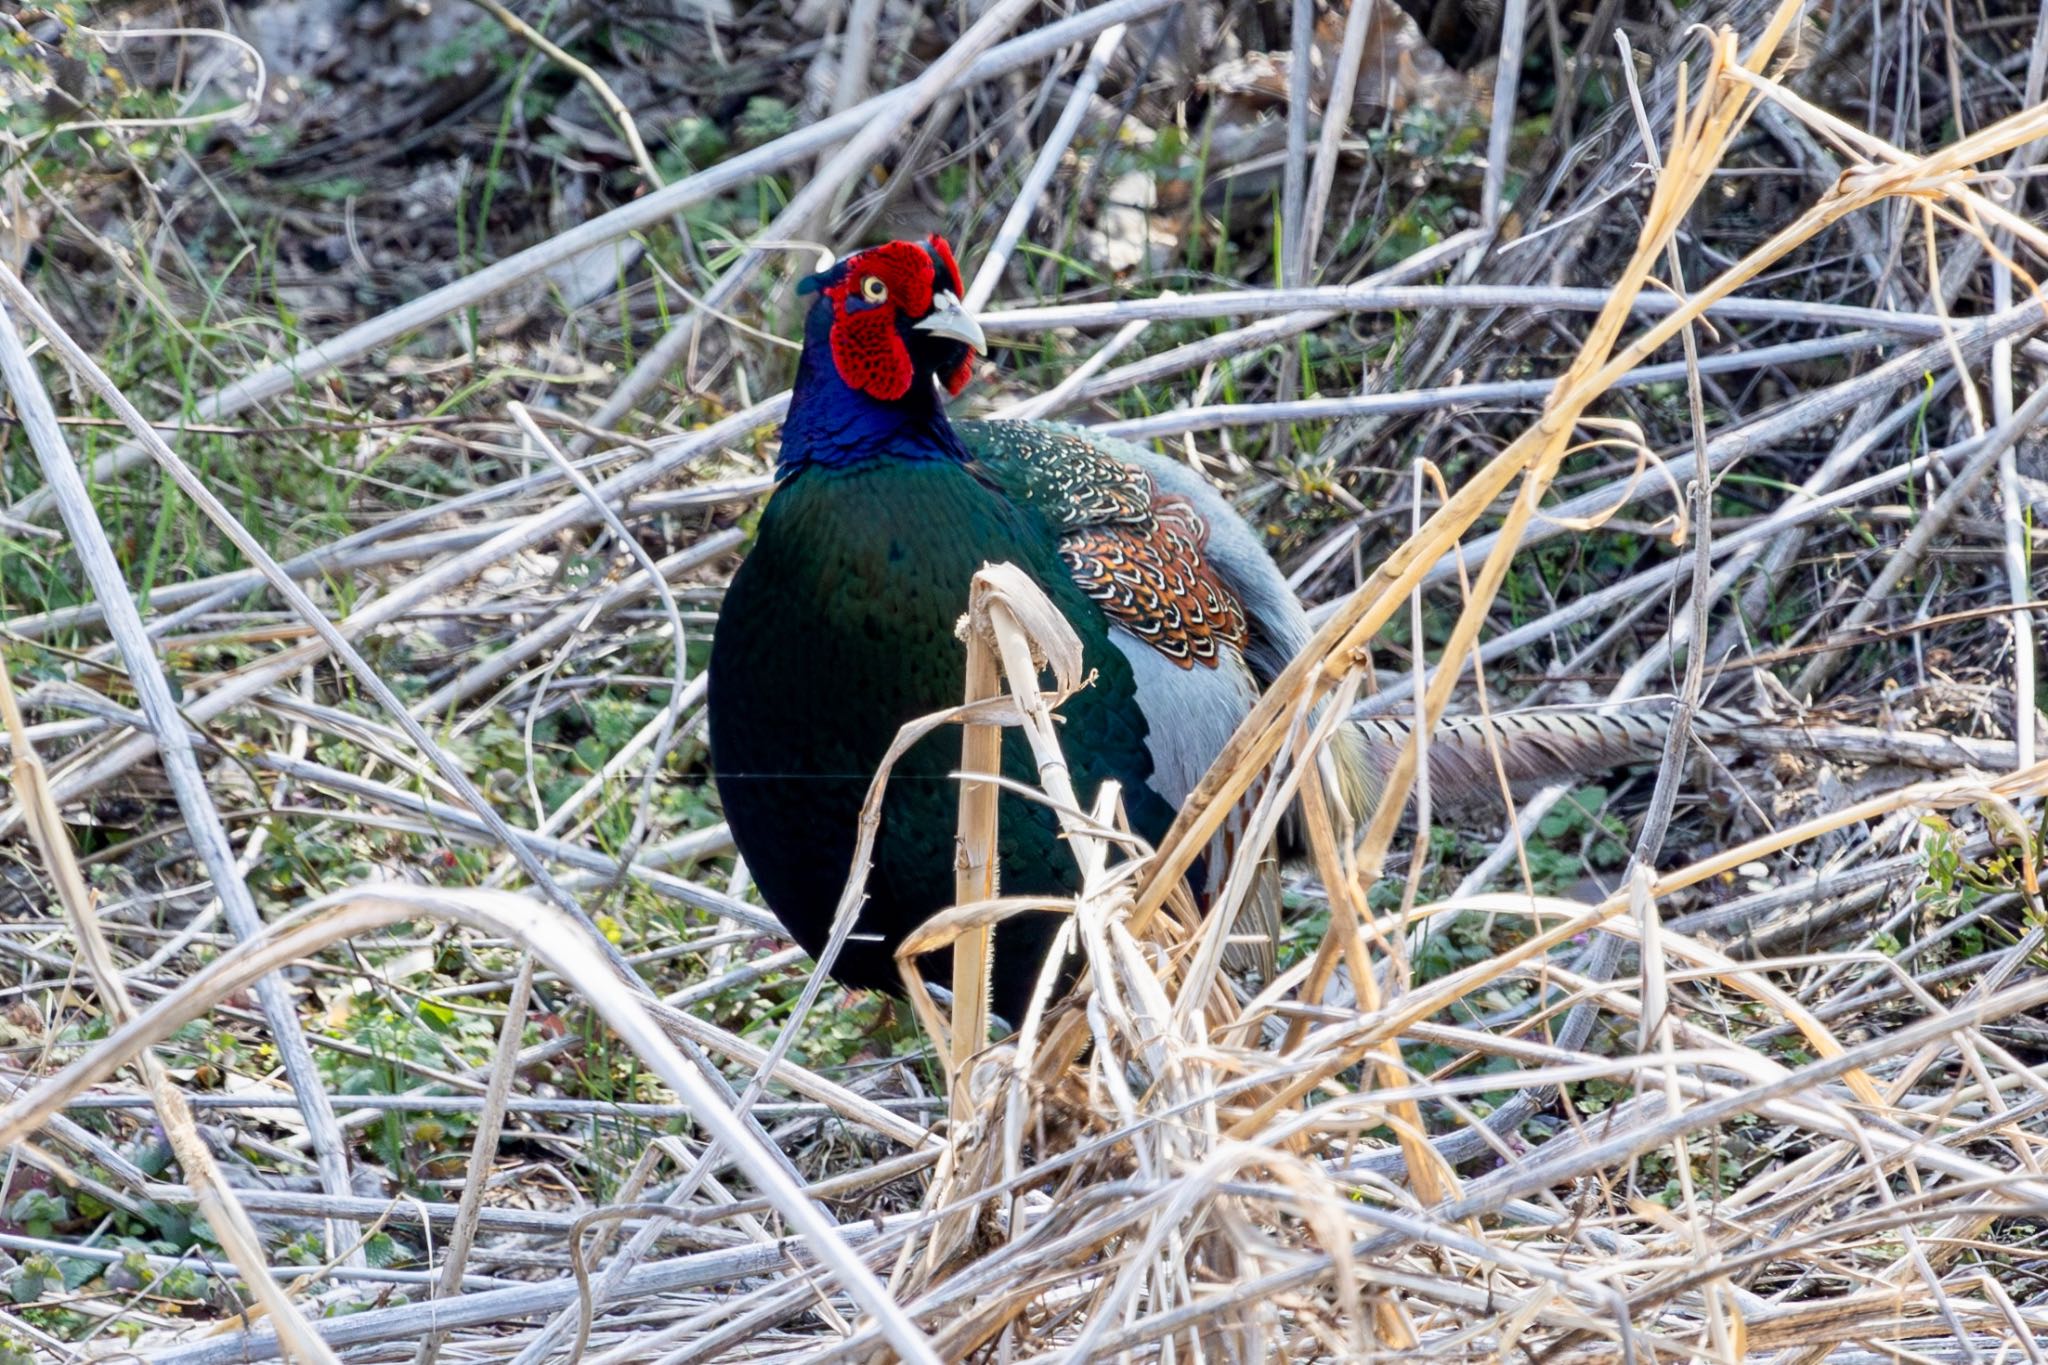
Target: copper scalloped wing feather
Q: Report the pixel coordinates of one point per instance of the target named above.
(1152, 580)
(1137, 552)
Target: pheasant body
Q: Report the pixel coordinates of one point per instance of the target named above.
(859, 576)
(839, 626)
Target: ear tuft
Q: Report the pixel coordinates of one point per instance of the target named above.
(945, 268)
(828, 274)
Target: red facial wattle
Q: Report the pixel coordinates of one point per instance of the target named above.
(870, 354)
(956, 378)
(878, 285)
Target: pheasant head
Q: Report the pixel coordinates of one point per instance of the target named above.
(892, 314)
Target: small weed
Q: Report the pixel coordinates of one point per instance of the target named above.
(765, 119)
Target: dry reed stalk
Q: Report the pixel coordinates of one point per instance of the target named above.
(974, 877)
(483, 1150)
(1010, 618)
(1611, 916)
(209, 1189)
(102, 571)
(1011, 631)
(543, 931)
(1698, 146)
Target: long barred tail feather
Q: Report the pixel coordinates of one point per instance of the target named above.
(1532, 749)
(1539, 747)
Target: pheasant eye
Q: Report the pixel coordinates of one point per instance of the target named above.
(873, 290)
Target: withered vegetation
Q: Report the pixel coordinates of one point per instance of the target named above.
(390, 389)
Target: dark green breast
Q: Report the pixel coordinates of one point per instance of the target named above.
(838, 628)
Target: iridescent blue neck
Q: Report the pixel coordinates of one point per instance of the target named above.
(831, 424)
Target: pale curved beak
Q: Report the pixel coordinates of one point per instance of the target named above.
(949, 319)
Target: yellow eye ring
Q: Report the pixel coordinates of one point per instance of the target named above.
(873, 290)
